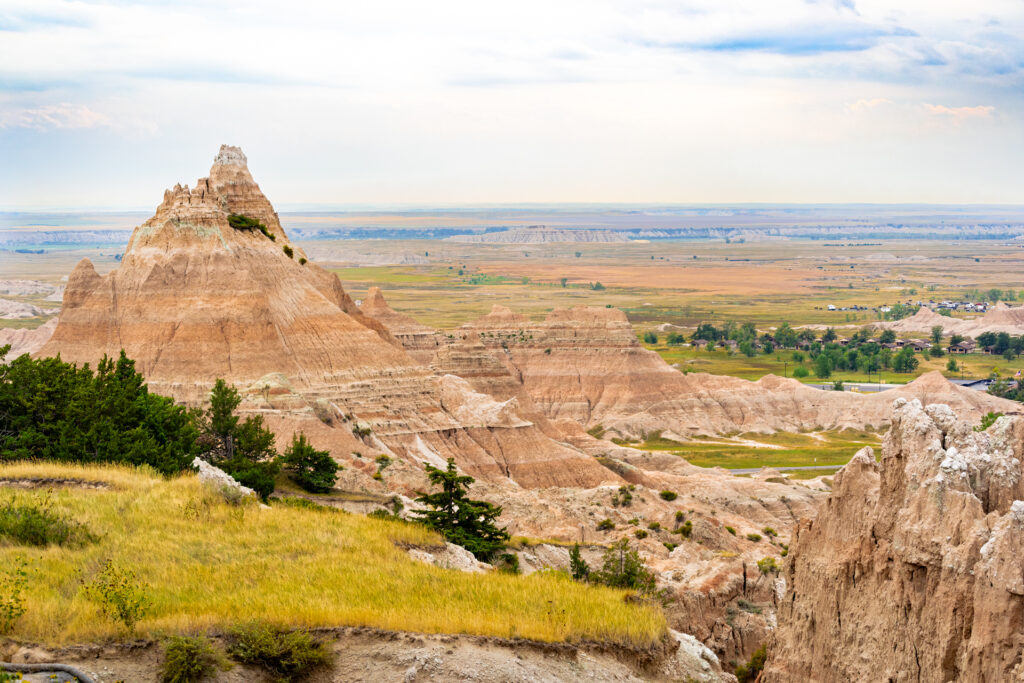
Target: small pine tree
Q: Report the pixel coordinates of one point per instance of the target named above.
(245, 450)
(577, 566)
(465, 522)
(315, 471)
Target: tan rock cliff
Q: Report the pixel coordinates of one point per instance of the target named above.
(913, 570)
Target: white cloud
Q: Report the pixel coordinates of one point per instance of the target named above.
(53, 116)
(960, 114)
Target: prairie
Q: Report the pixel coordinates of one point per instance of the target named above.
(207, 565)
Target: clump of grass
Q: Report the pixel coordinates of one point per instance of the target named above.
(287, 655)
(731, 530)
(37, 523)
(668, 495)
(605, 525)
(189, 659)
(753, 537)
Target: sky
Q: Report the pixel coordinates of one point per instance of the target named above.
(442, 103)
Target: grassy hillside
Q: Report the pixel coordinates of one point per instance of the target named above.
(209, 565)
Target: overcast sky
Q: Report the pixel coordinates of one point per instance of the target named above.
(104, 104)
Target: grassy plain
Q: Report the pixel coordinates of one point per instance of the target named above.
(768, 450)
(209, 565)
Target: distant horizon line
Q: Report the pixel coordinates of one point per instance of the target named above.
(300, 207)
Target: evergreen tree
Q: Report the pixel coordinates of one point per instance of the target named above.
(243, 449)
(465, 522)
(315, 471)
(577, 566)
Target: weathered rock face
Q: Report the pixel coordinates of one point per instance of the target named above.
(196, 299)
(420, 341)
(27, 341)
(999, 318)
(912, 570)
(585, 365)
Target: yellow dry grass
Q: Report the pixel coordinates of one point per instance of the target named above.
(209, 565)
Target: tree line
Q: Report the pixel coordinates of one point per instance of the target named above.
(53, 410)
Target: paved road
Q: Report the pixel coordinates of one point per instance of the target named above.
(752, 470)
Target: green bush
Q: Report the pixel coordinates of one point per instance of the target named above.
(122, 598)
(654, 526)
(189, 659)
(987, 420)
(287, 655)
(288, 251)
(37, 524)
(754, 537)
(640, 533)
(302, 261)
(605, 525)
(508, 563)
(800, 372)
(313, 470)
(623, 568)
(668, 495)
(686, 529)
(769, 532)
(650, 337)
(680, 516)
(768, 565)
(731, 530)
(240, 222)
(747, 673)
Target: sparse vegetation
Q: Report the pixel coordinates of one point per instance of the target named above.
(768, 565)
(189, 659)
(987, 420)
(286, 655)
(748, 673)
(668, 495)
(121, 596)
(288, 251)
(37, 523)
(605, 525)
(13, 580)
(753, 537)
(240, 222)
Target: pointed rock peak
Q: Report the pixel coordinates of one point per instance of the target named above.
(230, 156)
(374, 302)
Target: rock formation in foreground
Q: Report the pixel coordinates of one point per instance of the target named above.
(913, 570)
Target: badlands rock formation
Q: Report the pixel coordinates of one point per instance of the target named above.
(196, 299)
(999, 318)
(913, 570)
(584, 365)
(26, 340)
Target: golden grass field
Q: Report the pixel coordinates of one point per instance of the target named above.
(209, 565)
